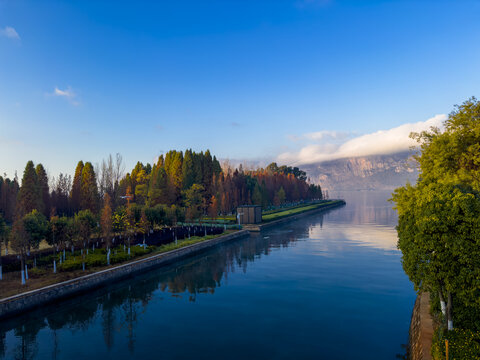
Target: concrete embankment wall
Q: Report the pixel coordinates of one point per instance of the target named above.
(267, 225)
(421, 329)
(20, 303)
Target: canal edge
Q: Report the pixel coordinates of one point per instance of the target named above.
(20, 303)
(421, 329)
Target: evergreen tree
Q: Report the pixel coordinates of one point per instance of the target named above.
(188, 171)
(217, 168)
(257, 195)
(89, 192)
(193, 201)
(8, 197)
(29, 196)
(158, 192)
(76, 192)
(198, 167)
(44, 189)
(207, 171)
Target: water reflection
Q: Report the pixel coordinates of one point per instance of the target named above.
(366, 207)
(267, 296)
(119, 307)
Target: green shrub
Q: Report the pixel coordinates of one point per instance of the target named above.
(119, 257)
(462, 344)
(36, 272)
(96, 259)
(70, 265)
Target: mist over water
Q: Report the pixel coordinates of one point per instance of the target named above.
(327, 286)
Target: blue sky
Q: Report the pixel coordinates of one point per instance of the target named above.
(246, 79)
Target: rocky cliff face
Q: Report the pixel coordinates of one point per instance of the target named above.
(379, 172)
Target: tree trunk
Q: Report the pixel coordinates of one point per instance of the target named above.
(22, 268)
(442, 303)
(449, 312)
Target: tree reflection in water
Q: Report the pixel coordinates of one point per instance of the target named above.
(119, 307)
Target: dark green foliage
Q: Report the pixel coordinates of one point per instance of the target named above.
(439, 217)
(8, 197)
(193, 201)
(89, 198)
(29, 196)
(462, 344)
(36, 228)
(76, 192)
(188, 171)
(42, 179)
(84, 224)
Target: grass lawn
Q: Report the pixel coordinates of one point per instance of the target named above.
(271, 216)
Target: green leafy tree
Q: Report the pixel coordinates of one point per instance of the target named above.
(59, 232)
(438, 226)
(438, 231)
(85, 224)
(36, 228)
(453, 156)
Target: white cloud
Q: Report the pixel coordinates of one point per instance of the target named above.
(378, 143)
(324, 135)
(68, 94)
(10, 33)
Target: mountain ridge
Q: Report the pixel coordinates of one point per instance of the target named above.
(374, 172)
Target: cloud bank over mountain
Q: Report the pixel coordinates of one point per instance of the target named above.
(325, 146)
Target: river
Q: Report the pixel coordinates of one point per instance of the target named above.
(327, 286)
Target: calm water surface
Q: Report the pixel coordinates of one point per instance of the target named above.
(328, 286)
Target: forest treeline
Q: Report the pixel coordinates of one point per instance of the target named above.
(193, 181)
(103, 201)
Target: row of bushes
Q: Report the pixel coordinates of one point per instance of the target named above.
(99, 258)
(117, 255)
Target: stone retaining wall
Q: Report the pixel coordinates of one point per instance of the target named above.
(26, 301)
(421, 329)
